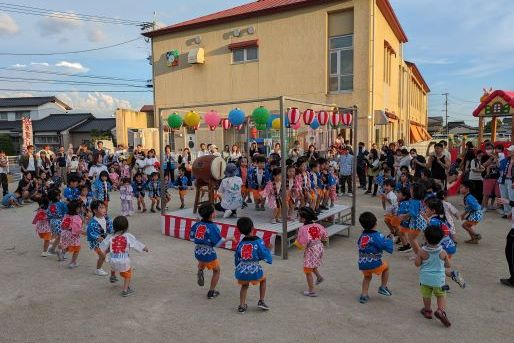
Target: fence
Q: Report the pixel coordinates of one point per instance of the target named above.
(14, 169)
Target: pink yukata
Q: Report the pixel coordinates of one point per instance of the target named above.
(126, 196)
(71, 229)
(42, 224)
(125, 171)
(310, 237)
(272, 194)
(115, 179)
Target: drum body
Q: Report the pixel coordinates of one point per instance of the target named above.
(209, 168)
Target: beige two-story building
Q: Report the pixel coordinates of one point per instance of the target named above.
(330, 51)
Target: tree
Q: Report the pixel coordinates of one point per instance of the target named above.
(487, 127)
(6, 144)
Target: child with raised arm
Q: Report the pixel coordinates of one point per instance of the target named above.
(250, 250)
(206, 236)
(472, 212)
(371, 244)
(432, 261)
(116, 247)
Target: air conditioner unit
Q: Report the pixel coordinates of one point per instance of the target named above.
(196, 56)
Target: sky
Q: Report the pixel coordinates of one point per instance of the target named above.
(460, 46)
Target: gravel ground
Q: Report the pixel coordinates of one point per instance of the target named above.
(41, 300)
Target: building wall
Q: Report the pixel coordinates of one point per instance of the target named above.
(128, 119)
(35, 113)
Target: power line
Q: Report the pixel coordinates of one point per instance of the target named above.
(67, 82)
(69, 52)
(22, 9)
(114, 78)
(72, 91)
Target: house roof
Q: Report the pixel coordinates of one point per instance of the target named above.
(417, 74)
(265, 7)
(59, 122)
(99, 124)
(31, 101)
(508, 96)
(435, 120)
(146, 108)
(10, 125)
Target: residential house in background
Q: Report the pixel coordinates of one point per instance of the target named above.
(460, 128)
(35, 108)
(83, 133)
(344, 52)
(435, 125)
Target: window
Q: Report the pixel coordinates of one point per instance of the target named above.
(243, 55)
(46, 139)
(388, 58)
(20, 115)
(3, 116)
(341, 63)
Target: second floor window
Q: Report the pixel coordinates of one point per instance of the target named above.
(248, 54)
(341, 63)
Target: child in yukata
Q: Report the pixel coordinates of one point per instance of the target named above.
(116, 247)
(311, 237)
(97, 230)
(206, 236)
(250, 250)
(230, 192)
(272, 193)
(126, 197)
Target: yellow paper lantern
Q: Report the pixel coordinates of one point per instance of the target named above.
(275, 124)
(192, 119)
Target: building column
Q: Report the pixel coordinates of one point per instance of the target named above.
(480, 130)
(493, 129)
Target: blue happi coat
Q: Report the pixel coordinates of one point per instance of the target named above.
(417, 221)
(71, 193)
(98, 188)
(473, 208)
(154, 188)
(447, 242)
(55, 213)
(206, 236)
(403, 208)
(95, 230)
(249, 252)
(371, 244)
(252, 179)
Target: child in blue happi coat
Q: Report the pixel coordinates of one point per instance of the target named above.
(153, 186)
(417, 222)
(371, 244)
(101, 188)
(249, 251)
(97, 230)
(403, 196)
(138, 186)
(72, 192)
(206, 236)
(55, 212)
(472, 212)
(181, 183)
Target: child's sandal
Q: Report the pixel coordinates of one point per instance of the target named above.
(426, 313)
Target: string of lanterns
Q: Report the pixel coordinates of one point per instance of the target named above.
(262, 118)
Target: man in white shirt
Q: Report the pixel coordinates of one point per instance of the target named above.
(4, 170)
(28, 162)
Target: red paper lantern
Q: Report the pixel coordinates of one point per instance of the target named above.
(323, 117)
(346, 118)
(335, 119)
(225, 124)
(293, 115)
(308, 116)
(253, 132)
(212, 128)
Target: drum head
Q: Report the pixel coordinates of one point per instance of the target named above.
(218, 166)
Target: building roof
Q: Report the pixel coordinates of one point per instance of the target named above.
(435, 120)
(146, 108)
(10, 125)
(31, 101)
(417, 74)
(265, 7)
(99, 124)
(59, 122)
(508, 96)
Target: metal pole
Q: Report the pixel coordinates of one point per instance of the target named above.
(446, 112)
(355, 116)
(283, 151)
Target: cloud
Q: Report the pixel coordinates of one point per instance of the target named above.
(17, 65)
(75, 66)
(58, 23)
(39, 64)
(99, 104)
(8, 26)
(96, 35)
(436, 61)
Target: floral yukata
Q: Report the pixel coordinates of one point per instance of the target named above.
(71, 229)
(310, 238)
(42, 224)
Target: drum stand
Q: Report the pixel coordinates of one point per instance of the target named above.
(201, 187)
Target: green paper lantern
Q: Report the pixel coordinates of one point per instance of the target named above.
(260, 115)
(174, 121)
(261, 127)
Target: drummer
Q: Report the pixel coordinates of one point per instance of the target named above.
(230, 192)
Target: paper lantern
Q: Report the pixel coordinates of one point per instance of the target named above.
(174, 121)
(335, 119)
(225, 124)
(346, 118)
(270, 120)
(239, 127)
(236, 117)
(293, 115)
(308, 116)
(212, 119)
(323, 117)
(253, 132)
(276, 124)
(261, 127)
(192, 119)
(260, 115)
(296, 126)
(315, 124)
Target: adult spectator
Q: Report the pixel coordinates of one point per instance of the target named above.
(475, 176)
(296, 151)
(418, 163)
(254, 149)
(97, 166)
(149, 163)
(28, 162)
(312, 154)
(401, 144)
(225, 154)
(345, 171)
(235, 154)
(491, 175)
(61, 164)
(185, 160)
(44, 165)
(4, 170)
(203, 150)
(169, 163)
(373, 163)
(49, 153)
(445, 150)
(277, 149)
(509, 250)
(467, 157)
(213, 149)
(100, 148)
(83, 153)
(498, 150)
(389, 152)
(505, 181)
(361, 164)
(405, 159)
(26, 186)
(439, 164)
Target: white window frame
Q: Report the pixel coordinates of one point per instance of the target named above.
(338, 73)
(245, 57)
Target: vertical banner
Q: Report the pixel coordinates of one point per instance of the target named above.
(27, 132)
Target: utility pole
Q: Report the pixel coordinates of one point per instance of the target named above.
(446, 113)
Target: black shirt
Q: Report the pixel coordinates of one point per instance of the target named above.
(417, 168)
(438, 172)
